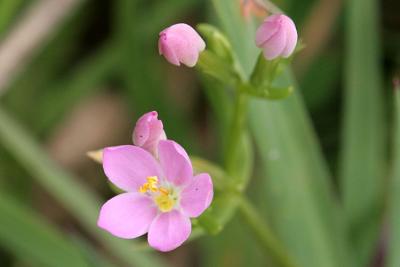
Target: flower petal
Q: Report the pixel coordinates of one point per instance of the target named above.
(197, 196)
(148, 132)
(269, 27)
(291, 38)
(169, 230)
(190, 35)
(127, 215)
(275, 45)
(180, 43)
(165, 48)
(175, 162)
(128, 166)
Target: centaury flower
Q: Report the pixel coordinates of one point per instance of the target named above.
(161, 195)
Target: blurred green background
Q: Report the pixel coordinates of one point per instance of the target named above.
(76, 74)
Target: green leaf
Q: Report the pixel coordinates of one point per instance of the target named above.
(8, 11)
(298, 195)
(86, 78)
(29, 237)
(394, 199)
(363, 147)
(298, 183)
(240, 34)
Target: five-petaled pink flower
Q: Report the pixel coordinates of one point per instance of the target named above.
(180, 43)
(161, 194)
(148, 132)
(277, 36)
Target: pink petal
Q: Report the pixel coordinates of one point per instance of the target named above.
(148, 132)
(189, 56)
(291, 37)
(183, 48)
(180, 43)
(127, 215)
(275, 45)
(197, 196)
(190, 35)
(128, 166)
(169, 230)
(266, 31)
(167, 50)
(175, 162)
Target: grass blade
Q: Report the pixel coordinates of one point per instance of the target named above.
(363, 144)
(26, 235)
(298, 184)
(394, 200)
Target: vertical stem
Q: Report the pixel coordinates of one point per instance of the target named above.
(264, 234)
(236, 130)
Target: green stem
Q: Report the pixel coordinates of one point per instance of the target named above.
(264, 234)
(236, 130)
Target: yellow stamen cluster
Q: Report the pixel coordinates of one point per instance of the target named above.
(151, 185)
(164, 200)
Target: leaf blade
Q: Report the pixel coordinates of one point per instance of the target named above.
(363, 144)
(28, 236)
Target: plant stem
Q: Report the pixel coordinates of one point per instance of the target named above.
(236, 130)
(261, 230)
(264, 234)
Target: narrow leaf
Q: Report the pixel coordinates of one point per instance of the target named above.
(394, 199)
(29, 237)
(363, 144)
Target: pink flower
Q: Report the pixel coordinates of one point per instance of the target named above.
(161, 196)
(148, 132)
(180, 43)
(277, 36)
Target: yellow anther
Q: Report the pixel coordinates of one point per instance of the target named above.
(144, 188)
(163, 191)
(152, 179)
(150, 185)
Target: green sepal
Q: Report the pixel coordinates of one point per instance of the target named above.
(272, 93)
(114, 188)
(209, 63)
(216, 41)
(218, 60)
(221, 211)
(266, 80)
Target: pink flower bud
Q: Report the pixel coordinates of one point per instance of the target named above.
(148, 132)
(180, 43)
(277, 36)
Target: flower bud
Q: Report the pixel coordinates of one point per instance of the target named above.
(277, 36)
(180, 43)
(148, 132)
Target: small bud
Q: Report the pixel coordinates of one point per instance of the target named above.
(180, 43)
(277, 36)
(148, 132)
(96, 155)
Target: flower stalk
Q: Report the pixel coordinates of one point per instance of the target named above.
(237, 128)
